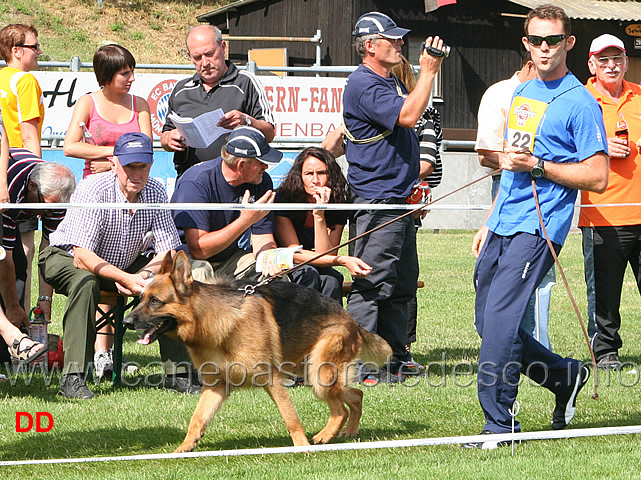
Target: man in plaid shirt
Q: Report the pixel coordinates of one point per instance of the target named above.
(96, 249)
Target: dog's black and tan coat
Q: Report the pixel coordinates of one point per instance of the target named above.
(280, 331)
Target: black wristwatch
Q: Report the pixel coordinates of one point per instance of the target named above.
(538, 170)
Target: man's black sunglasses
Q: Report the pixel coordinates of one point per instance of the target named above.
(551, 40)
(35, 46)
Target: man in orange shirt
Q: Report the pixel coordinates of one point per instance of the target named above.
(612, 235)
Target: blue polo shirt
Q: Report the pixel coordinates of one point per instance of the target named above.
(389, 167)
(571, 131)
(205, 183)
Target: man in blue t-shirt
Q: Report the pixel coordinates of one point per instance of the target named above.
(228, 241)
(382, 151)
(557, 140)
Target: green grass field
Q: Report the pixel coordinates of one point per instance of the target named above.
(143, 420)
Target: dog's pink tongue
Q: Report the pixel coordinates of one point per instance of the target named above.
(144, 340)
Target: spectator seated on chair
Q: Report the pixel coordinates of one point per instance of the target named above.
(102, 249)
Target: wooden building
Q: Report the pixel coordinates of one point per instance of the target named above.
(485, 36)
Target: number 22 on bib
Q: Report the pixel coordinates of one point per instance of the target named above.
(524, 122)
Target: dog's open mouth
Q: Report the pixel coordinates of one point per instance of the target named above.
(151, 334)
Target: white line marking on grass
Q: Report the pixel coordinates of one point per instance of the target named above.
(545, 435)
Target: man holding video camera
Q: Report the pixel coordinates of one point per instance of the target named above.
(382, 151)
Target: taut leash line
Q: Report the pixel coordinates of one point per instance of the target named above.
(567, 287)
(409, 212)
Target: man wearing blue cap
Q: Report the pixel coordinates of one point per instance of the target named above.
(102, 249)
(226, 242)
(219, 240)
(382, 150)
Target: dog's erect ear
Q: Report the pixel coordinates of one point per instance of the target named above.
(167, 264)
(181, 274)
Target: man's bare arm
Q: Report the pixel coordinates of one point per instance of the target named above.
(590, 174)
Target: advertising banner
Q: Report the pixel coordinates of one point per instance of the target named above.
(305, 109)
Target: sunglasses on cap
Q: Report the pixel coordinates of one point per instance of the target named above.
(551, 40)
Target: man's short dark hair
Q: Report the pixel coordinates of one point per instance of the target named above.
(549, 12)
(109, 60)
(13, 35)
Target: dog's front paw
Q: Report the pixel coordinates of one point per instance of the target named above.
(186, 447)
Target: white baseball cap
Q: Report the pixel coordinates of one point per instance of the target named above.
(605, 41)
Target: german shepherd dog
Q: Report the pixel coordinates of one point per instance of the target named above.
(257, 339)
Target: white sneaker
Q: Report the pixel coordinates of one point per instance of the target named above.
(103, 363)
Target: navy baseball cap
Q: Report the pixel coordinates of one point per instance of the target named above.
(373, 23)
(249, 142)
(134, 147)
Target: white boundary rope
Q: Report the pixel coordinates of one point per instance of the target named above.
(544, 435)
(262, 206)
(226, 206)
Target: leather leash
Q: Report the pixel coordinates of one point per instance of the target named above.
(567, 287)
(249, 291)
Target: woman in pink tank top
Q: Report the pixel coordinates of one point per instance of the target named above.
(101, 117)
(98, 120)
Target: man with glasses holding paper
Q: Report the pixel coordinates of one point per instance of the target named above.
(556, 140)
(612, 235)
(217, 84)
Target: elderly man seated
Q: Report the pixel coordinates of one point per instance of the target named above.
(96, 249)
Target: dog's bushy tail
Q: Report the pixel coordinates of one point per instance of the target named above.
(374, 349)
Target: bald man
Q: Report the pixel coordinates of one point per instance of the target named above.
(217, 83)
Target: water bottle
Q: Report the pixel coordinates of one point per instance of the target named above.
(38, 333)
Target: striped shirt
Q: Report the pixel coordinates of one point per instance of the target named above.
(116, 236)
(430, 135)
(21, 163)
